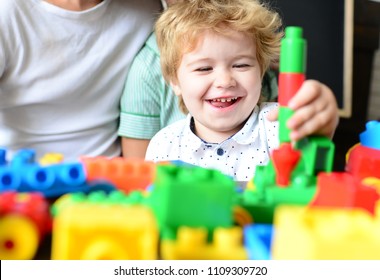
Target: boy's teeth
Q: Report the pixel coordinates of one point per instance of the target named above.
(224, 99)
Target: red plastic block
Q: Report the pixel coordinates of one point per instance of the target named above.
(288, 85)
(285, 159)
(340, 189)
(125, 174)
(363, 162)
(31, 205)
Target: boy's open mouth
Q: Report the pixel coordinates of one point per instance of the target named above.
(222, 102)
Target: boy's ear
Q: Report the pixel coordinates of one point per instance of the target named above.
(177, 90)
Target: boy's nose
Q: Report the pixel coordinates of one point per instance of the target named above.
(225, 80)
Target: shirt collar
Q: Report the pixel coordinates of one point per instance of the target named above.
(244, 136)
(249, 131)
(194, 142)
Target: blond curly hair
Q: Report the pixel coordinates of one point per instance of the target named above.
(179, 27)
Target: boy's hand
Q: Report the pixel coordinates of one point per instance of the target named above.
(315, 111)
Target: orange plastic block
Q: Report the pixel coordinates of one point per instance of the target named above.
(339, 189)
(191, 244)
(125, 174)
(104, 231)
(303, 233)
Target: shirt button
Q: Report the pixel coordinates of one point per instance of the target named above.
(220, 151)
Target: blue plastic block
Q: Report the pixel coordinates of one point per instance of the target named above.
(257, 241)
(371, 136)
(23, 157)
(51, 181)
(3, 157)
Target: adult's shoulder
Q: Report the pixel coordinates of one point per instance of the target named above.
(12, 13)
(148, 55)
(9, 8)
(8, 4)
(151, 44)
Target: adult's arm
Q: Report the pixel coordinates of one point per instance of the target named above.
(134, 148)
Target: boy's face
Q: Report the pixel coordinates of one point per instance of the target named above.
(220, 83)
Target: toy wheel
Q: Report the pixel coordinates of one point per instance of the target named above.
(19, 238)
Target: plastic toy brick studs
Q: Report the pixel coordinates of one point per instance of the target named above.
(125, 174)
(51, 158)
(192, 244)
(23, 157)
(24, 174)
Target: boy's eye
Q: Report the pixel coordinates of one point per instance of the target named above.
(241, 65)
(203, 69)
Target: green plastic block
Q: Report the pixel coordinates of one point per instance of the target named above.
(284, 115)
(262, 201)
(293, 51)
(261, 212)
(192, 196)
(317, 154)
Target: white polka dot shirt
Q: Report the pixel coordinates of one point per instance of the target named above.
(237, 156)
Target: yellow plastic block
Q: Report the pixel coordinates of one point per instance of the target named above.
(372, 182)
(110, 231)
(19, 238)
(191, 244)
(51, 158)
(325, 234)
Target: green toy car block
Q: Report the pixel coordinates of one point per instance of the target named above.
(192, 196)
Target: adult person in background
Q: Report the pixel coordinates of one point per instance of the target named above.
(63, 65)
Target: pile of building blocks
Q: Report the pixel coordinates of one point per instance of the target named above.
(295, 207)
